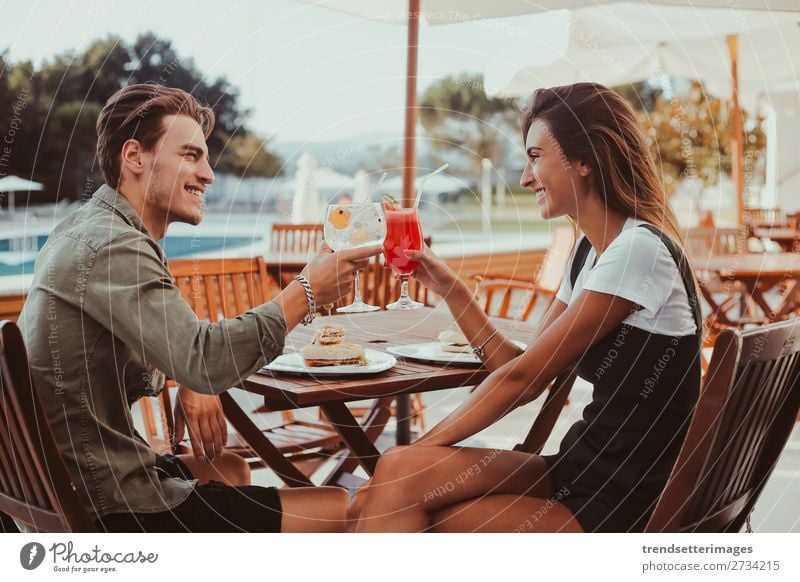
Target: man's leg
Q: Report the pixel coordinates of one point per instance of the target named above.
(227, 468)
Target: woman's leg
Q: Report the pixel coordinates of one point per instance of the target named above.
(313, 509)
(506, 513)
(411, 483)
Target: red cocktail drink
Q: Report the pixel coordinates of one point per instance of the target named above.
(403, 233)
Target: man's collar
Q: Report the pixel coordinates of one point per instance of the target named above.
(110, 198)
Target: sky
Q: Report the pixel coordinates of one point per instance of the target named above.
(309, 74)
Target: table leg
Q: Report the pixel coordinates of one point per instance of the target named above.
(403, 417)
(253, 436)
(360, 440)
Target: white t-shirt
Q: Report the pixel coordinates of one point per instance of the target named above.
(637, 266)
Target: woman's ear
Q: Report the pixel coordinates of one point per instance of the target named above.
(583, 169)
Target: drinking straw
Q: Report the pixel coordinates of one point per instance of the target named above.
(425, 179)
(377, 185)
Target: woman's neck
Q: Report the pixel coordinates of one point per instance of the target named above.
(600, 224)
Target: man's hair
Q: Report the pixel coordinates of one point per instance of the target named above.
(135, 112)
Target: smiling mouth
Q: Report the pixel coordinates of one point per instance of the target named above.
(539, 195)
(195, 192)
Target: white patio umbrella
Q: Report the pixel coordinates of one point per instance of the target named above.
(736, 53)
(306, 204)
(361, 191)
(12, 184)
(435, 12)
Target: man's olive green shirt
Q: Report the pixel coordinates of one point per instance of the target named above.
(103, 323)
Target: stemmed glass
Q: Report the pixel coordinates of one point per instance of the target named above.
(403, 233)
(349, 226)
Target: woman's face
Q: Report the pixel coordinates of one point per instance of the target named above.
(557, 182)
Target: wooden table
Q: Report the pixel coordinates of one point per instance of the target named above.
(787, 238)
(376, 330)
(760, 273)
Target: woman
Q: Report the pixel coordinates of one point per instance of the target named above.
(626, 312)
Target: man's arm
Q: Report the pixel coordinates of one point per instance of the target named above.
(130, 292)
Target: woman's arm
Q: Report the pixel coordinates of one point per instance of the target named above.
(467, 312)
(591, 317)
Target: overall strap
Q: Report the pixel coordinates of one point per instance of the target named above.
(581, 252)
(686, 274)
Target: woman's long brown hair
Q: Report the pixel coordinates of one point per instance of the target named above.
(594, 125)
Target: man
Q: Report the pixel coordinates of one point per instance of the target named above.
(104, 322)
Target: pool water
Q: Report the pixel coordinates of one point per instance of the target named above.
(174, 247)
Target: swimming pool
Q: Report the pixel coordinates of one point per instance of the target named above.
(174, 247)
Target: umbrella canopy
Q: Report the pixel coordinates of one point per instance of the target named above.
(306, 204)
(15, 184)
(733, 52)
(437, 12)
(624, 43)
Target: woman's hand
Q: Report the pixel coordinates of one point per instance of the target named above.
(331, 274)
(433, 272)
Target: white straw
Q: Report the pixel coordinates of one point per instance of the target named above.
(425, 179)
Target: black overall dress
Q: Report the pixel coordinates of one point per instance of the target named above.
(613, 464)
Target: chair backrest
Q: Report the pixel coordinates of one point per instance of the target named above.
(499, 292)
(509, 298)
(216, 289)
(11, 305)
(35, 487)
(757, 217)
(551, 271)
(296, 237)
(743, 418)
(706, 242)
(222, 288)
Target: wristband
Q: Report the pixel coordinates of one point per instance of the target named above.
(479, 351)
(312, 303)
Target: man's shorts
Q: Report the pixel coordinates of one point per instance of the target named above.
(210, 508)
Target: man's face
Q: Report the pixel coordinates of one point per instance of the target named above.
(179, 171)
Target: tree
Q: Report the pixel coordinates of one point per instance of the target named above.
(690, 136)
(246, 155)
(55, 140)
(458, 115)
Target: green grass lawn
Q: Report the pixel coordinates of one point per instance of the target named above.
(521, 214)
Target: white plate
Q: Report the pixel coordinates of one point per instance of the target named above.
(294, 364)
(433, 352)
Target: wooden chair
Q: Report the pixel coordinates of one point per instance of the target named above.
(35, 487)
(217, 289)
(298, 238)
(742, 421)
(765, 218)
(498, 291)
(10, 306)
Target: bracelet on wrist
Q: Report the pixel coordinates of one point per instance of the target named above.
(480, 351)
(312, 303)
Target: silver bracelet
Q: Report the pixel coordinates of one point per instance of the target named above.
(479, 351)
(312, 303)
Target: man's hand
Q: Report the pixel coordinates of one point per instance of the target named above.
(202, 414)
(331, 274)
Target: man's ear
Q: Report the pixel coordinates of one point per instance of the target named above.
(132, 157)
